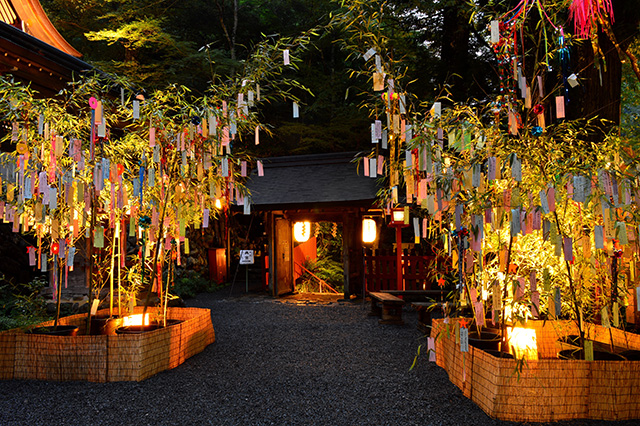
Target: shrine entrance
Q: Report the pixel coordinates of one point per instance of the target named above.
(286, 256)
(312, 189)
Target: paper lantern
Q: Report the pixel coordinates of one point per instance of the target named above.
(301, 231)
(369, 230)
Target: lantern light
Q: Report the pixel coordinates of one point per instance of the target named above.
(301, 231)
(218, 204)
(133, 320)
(369, 230)
(397, 217)
(523, 342)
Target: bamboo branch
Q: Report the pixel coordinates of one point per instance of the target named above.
(606, 27)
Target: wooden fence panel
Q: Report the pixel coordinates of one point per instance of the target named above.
(380, 270)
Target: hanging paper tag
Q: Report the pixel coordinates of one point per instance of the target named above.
(32, 255)
(568, 249)
(588, 350)
(285, 56)
(479, 311)
(621, 233)
(369, 53)
(431, 349)
(205, 218)
(98, 237)
(152, 137)
(437, 113)
(464, 340)
(475, 177)
(94, 306)
(551, 198)
(516, 169)
(598, 235)
(558, 302)
(559, 106)
(373, 168)
(71, 256)
(491, 172)
(495, 32)
(573, 80)
(535, 304)
(296, 110)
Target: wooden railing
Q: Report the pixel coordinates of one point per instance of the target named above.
(322, 284)
(380, 271)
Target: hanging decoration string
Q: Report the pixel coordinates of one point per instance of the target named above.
(587, 13)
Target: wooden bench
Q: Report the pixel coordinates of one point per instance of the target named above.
(423, 301)
(418, 295)
(391, 310)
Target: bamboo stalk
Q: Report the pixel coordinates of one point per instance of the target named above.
(119, 230)
(111, 267)
(58, 296)
(92, 226)
(576, 306)
(504, 347)
(156, 253)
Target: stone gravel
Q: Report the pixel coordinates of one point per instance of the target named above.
(273, 363)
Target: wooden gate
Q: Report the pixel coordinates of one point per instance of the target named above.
(283, 257)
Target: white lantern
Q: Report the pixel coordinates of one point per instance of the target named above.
(369, 230)
(301, 231)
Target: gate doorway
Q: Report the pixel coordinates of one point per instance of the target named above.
(313, 188)
(318, 262)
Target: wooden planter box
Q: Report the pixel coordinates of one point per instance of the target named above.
(132, 357)
(547, 389)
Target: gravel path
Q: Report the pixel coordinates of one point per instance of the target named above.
(273, 363)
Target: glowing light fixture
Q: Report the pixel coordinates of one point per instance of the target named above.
(218, 204)
(397, 217)
(301, 231)
(523, 342)
(135, 320)
(369, 230)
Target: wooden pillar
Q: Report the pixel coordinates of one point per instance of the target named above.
(271, 252)
(346, 230)
(352, 254)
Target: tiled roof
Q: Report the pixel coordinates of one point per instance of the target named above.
(304, 181)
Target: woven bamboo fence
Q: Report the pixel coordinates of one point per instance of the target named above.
(122, 357)
(547, 389)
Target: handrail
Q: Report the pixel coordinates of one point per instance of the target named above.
(320, 280)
